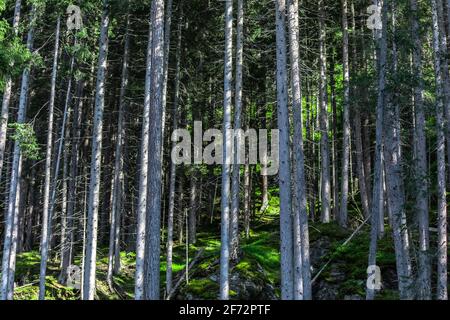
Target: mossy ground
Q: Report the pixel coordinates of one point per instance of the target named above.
(259, 262)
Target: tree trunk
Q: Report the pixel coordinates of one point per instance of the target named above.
(7, 93)
(116, 206)
(377, 201)
(48, 168)
(143, 177)
(153, 234)
(94, 186)
(394, 182)
(323, 100)
(225, 194)
(343, 216)
(234, 224)
(424, 263)
(173, 168)
(302, 277)
(286, 232)
(442, 204)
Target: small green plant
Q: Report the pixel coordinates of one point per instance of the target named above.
(24, 134)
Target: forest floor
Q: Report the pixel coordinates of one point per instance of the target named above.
(256, 276)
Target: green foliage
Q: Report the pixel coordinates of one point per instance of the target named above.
(24, 134)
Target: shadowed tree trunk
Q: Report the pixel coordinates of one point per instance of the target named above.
(234, 226)
(323, 101)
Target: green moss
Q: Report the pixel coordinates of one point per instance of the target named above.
(202, 288)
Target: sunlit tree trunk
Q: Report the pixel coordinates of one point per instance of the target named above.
(225, 200)
(286, 221)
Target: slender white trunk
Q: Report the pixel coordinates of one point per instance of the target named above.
(343, 215)
(286, 221)
(235, 181)
(323, 100)
(394, 181)
(143, 178)
(225, 201)
(153, 234)
(377, 202)
(302, 277)
(173, 171)
(116, 206)
(442, 293)
(94, 186)
(424, 263)
(48, 168)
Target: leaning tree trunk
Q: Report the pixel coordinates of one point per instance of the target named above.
(225, 201)
(7, 93)
(48, 168)
(94, 186)
(11, 219)
(286, 232)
